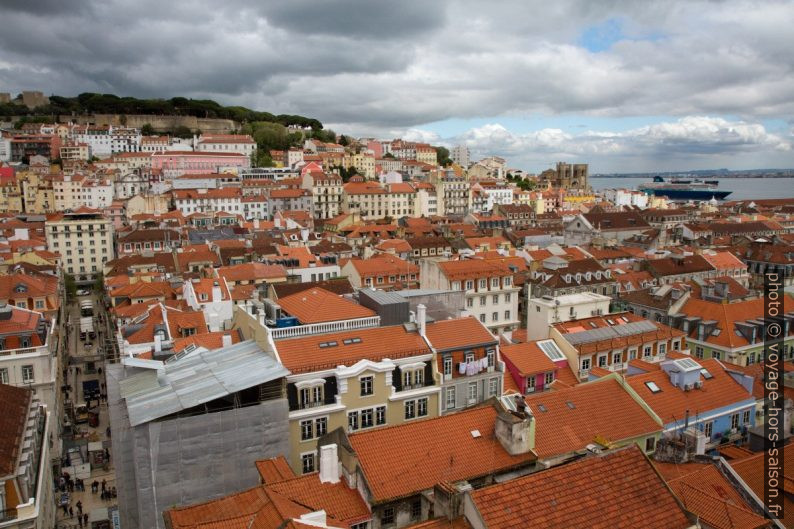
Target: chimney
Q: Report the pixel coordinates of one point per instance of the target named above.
(226, 340)
(516, 431)
(421, 318)
(329, 464)
(217, 295)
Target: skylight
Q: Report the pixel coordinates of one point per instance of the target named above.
(624, 318)
(687, 363)
(323, 345)
(542, 408)
(570, 405)
(348, 341)
(715, 332)
(593, 325)
(706, 374)
(653, 387)
(611, 322)
(551, 350)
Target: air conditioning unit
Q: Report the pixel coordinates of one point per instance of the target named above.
(699, 384)
(687, 387)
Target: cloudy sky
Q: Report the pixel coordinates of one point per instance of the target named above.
(624, 85)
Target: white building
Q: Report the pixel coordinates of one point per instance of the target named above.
(491, 295)
(106, 140)
(5, 148)
(242, 143)
(626, 197)
(84, 239)
(25, 356)
(212, 297)
(96, 194)
(544, 311)
(227, 200)
(460, 155)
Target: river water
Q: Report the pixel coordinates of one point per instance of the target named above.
(743, 188)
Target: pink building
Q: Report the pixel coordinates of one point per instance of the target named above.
(534, 365)
(176, 163)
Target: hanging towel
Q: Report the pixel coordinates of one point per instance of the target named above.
(462, 368)
(471, 368)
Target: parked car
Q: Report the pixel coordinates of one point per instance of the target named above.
(83, 292)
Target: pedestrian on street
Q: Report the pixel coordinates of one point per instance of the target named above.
(80, 520)
(95, 486)
(79, 505)
(107, 432)
(104, 485)
(71, 512)
(65, 509)
(85, 519)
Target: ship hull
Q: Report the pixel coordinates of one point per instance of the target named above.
(686, 194)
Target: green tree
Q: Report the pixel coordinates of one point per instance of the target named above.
(99, 283)
(147, 129)
(442, 156)
(343, 140)
(182, 132)
(70, 286)
(263, 159)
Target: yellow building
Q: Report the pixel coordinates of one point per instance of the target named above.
(426, 154)
(364, 164)
(10, 195)
(37, 192)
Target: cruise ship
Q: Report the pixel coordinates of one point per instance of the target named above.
(685, 189)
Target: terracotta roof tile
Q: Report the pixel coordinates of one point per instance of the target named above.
(318, 305)
(458, 333)
(274, 470)
(435, 450)
(600, 408)
(14, 403)
(618, 489)
(751, 470)
(528, 358)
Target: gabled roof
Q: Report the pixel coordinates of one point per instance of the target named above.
(602, 408)
(251, 272)
(14, 406)
(318, 305)
(752, 471)
(306, 354)
(528, 358)
(459, 333)
(672, 403)
(398, 461)
(618, 489)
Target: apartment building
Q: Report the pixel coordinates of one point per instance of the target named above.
(611, 342)
(26, 493)
(105, 140)
(225, 200)
(84, 240)
(542, 312)
(491, 295)
(239, 143)
(26, 358)
(453, 193)
(326, 192)
(382, 271)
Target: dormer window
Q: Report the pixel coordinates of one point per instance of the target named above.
(203, 296)
(21, 287)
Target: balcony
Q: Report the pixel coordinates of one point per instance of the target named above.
(7, 515)
(321, 328)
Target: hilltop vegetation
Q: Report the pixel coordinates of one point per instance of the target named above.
(92, 103)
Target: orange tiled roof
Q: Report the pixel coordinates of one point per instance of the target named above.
(528, 358)
(618, 489)
(671, 403)
(251, 272)
(751, 470)
(458, 333)
(274, 470)
(600, 408)
(473, 268)
(436, 450)
(210, 340)
(318, 305)
(301, 355)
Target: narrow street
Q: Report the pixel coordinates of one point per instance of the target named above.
(87, 447)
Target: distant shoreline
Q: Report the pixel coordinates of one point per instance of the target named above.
(663, 175)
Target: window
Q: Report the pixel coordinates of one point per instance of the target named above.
(472, 391)
(717, 355)
(387, 516)
(352, 421)
(662, 348)
(507, 284)
(491, 355)
(531, 384)
(482, 301)
(483, 283)
(447, 365)
(646, 351)
(366, 386)
(307, 462)
(469, 302)
(367, 418)
(507, 315)
(751, 359)
(698, 352)
(632, 354)
(493, 387)
(410, 409)
(307, 430)
(421, 407)
(450, 399)
(735, 420)
(650, 444)
(416, 509)
(482, 318)
(4, 376)
(548, 378)
(746, 418)
(676, 345)
(507, 297)
(602, 361)
(495, 299)
(617, 358)
(380, 415)
(707, 428)
(470, 285)
(321, 426)
(39, 304)
(585, 364)
(27, 373)
(495, 282)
